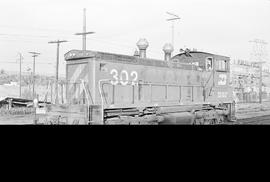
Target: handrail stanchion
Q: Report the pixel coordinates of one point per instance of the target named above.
(180, 93)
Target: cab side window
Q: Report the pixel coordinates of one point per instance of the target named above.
(209, 64)
(221, 65)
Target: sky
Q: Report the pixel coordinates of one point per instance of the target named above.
(222, 27)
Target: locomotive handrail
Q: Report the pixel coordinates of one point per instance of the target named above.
(212, 86)
(101, 95)
(154, 83)
(47, 91)
(87, 92)
(108, 82)
(211, 75)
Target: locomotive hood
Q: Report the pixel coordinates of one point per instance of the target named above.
(79, 54)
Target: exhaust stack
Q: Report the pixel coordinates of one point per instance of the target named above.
(168, 49)
(142, 45)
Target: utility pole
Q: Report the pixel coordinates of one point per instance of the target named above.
(173, 19)
(260, 63)
(57, 68)
(84, 33)
(34, 55)
(21, 58)
(261, 78)
(259, 53)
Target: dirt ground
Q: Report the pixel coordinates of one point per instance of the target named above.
(17, 120)
(252, 106)
(252, 110)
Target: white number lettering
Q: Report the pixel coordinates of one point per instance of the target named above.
(222, 79)
(135, 79)
(124, 77)
(124, 72)
(115, 76)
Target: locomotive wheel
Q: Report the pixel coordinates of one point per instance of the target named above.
(199, 122)
(226, 120)
(220, 120)
(76, 122)
(210, 122)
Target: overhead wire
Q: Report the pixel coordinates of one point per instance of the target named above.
(35, 39)
(10, 62)
(108, 43)
(63, 35)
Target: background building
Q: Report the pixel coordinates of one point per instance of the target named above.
(245, 78)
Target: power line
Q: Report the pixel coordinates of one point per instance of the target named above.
(36, 29)
(69, 37)
(155, 50)
(10, 62)
(20, 35)
(96, 40)
(114, 44)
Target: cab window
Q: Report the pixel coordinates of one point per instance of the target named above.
(209, 64)
(221, 65)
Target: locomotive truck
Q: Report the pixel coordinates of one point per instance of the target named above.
(189, 88)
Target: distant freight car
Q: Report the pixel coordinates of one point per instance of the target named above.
(189, 88)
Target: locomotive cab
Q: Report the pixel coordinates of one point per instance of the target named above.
(215, 68)
(215, 73)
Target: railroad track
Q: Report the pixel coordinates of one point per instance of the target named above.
(254, 116)
(258, 120)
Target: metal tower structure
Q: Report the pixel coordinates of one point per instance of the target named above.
(258, 55)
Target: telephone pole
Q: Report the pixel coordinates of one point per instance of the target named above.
(173, 19)
(84, 33)
(21, 58)
(57, 68)
(34, 55)
(259, 53)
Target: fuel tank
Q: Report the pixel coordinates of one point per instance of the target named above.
(184, 118)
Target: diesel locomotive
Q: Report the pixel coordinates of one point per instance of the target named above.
(189, 88)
